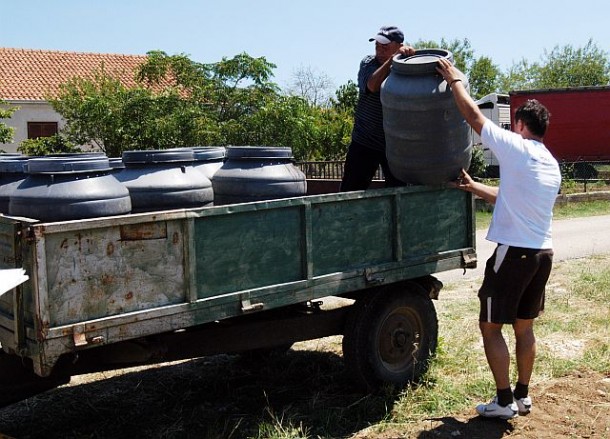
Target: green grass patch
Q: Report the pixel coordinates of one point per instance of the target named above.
(564, 211)
(582, 209)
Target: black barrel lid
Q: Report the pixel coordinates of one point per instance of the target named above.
(159, 156)
(203, 153)
(67, 164)
(259, 152)
(423, 62)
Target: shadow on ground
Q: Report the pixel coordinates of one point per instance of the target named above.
(474, 428)
(224, 396)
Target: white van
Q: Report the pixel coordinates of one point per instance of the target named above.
(496, 107)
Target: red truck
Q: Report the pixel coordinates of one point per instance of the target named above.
(579, 132)
(580, 121)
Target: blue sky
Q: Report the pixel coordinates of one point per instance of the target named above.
(328, 37)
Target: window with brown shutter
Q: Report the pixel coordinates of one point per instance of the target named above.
(41, 129)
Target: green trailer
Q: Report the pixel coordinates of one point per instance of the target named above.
(135, 289)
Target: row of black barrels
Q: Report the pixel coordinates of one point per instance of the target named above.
(89, 185)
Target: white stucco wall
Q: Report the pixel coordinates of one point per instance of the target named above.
(28, 111)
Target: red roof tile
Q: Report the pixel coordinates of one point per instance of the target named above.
(27, 74)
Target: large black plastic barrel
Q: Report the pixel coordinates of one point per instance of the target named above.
(256, 173)
(427, 139)
(164, 179)
(69, 188)
(209, 159)
(12, 173)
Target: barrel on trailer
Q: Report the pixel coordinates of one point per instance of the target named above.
(256, 173)
(69, 187)
(209, 159)
(12, 173)
(164, 179)
(427, 139)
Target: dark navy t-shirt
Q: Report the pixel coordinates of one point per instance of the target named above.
(368, 118)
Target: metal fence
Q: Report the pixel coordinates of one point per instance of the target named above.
(328, 170)
(581, 173)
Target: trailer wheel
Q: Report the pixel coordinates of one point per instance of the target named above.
(390, 336)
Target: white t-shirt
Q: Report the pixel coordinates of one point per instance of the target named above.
(529, 182)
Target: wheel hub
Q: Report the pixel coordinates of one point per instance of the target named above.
(397, 340)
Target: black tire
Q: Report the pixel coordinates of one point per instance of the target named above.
(390, 336)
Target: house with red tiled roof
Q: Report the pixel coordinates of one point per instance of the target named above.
(28, 77)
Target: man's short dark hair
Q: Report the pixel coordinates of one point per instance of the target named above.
(534, 115)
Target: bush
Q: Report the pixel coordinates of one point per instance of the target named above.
(55, 144)
(478, 167)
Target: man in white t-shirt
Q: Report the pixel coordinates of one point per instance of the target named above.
(513, 289)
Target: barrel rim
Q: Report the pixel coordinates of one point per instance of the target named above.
(67, 165)
(259, 152)
(203, 153)
(174, 155)
(412, 65)
(14, 165)
(116, 162)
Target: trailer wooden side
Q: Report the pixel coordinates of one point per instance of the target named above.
(102, 281)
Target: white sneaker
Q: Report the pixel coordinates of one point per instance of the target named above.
(524, 405)
(495, 410)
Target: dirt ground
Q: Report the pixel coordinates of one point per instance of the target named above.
(576, 406)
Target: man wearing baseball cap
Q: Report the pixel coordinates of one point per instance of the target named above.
(367, 148)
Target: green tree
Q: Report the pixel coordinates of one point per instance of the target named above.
(104, 112)
(244, 107)
(574, 67)
(184, 103)
(225, 94)
(562, 67)
(241, 85)
(6, 132)
(346, 97)
(520, 76)
(227, 90)
(154, 115)
(313, 133)
(483, 77)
